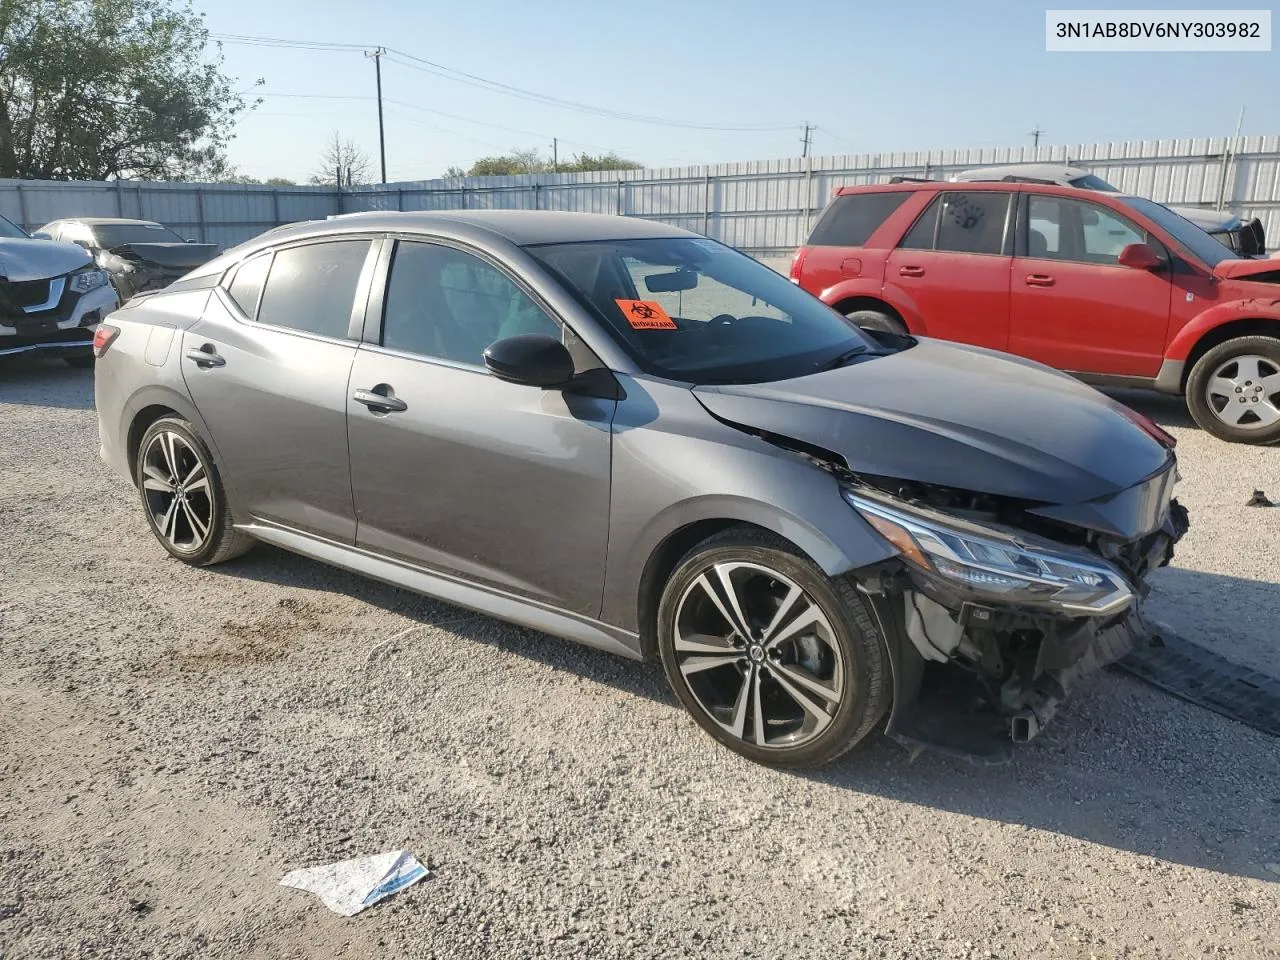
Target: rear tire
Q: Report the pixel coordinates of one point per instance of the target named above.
(798, 678)
(80, 362)
(183, 497)
(878, 320)
(1233, 391)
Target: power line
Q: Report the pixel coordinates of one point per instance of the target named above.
(470, 79)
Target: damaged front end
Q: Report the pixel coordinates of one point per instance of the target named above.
(994, 610)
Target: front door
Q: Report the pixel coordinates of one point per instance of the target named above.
(1073, 305)
(464, 473)
(267, 366)
(951, 270)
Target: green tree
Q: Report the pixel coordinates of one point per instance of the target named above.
(603, 161)
(517, 161)
(95, 89)
(279, 182)
(453, 173)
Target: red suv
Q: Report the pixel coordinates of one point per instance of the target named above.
(1117, 290)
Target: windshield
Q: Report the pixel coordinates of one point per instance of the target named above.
(10, 230)
(1207, 248)
(1090, 182)
(114, 234)
(693, 309)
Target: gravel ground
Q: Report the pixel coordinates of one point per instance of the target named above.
(175, 740)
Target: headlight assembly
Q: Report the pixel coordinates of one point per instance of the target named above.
(995, 563)
(83, 281)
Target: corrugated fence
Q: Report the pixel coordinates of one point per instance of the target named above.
(762, 207)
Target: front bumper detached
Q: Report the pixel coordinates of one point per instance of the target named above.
(65, 329)
(972, 678)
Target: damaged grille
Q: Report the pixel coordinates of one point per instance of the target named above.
(16, 295)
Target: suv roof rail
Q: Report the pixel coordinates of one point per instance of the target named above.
(912, 179)
(1011, 178)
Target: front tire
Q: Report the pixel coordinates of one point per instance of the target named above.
(183, 496)
(1233, 391)
(772, 658)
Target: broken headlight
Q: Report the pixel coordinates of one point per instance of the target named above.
(82, 281)
(997, 564)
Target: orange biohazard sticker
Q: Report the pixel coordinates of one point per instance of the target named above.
(645, 315)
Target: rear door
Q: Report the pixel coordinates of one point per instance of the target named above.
(461, 472)
(949, 275)
(267, 366)
(1073, 305)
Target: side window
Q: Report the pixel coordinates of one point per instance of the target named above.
(920, 236)
(448, 304)
(850, 220)
(973, 222)
(312, 288)
(1059, 228)
(246, 286)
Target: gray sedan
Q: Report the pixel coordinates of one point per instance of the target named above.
(634, 437)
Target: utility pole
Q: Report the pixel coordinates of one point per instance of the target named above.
(807, 139)
(555, 155)
(1035, 137)
(377, 56)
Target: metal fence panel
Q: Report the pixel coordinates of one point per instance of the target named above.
(763, 207)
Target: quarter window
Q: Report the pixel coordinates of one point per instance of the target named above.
(312, 288)
(850, 220)
(246, 286)
(451, 305)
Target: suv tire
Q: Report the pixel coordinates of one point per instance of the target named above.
(1233, 391)
(878, 320)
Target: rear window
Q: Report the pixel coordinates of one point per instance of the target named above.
(850, 220)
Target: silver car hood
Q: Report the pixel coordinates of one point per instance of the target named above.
(1210, 221)
(22, 259)
(955, 416)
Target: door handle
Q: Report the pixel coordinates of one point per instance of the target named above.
(381, 399)
(1039, 280)
(911, 271)
(206, 356)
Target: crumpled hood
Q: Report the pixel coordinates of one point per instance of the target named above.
(182, 256)
(23, 259)
(956, 416)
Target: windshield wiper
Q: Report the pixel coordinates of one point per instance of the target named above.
(843, 358)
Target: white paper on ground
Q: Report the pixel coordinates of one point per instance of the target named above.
(347, 887)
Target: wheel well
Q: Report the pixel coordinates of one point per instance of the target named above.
(851, 304)
(662, 562)
(1249, 327)
(141, 421)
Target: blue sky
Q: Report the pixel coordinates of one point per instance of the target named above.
(872, 76)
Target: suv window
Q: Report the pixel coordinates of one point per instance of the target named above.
(1059, 228)
(313, 287)
(445, 303)
(246, 286)
(962, 223)
(850, 220)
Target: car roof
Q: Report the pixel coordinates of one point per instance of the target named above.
(521, 227)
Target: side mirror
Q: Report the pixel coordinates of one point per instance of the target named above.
(191, 240)
(41, 235)
(532, 359)
(1139, 256)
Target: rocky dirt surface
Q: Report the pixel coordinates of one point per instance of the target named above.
(173, 741)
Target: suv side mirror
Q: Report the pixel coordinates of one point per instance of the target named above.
(532, 359)
(41, 235)
(1140, 256)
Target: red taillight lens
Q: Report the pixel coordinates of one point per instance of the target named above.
(103, 337)
(797, 264)
(1158, 433)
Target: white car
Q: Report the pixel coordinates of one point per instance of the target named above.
(1245, 237)
(52, 296)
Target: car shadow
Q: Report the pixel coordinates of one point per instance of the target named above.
(1163, 409)
(44, 382)
(1124, 765)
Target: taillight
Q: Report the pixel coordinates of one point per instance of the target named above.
(797, 264)
(103, 337)
(1157, 433)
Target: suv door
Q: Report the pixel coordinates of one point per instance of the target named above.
(463, 473)
(1073, 305)
(267, 367)
(950, 271)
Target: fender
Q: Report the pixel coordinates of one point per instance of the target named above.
(1252, 309)
(872, 287)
